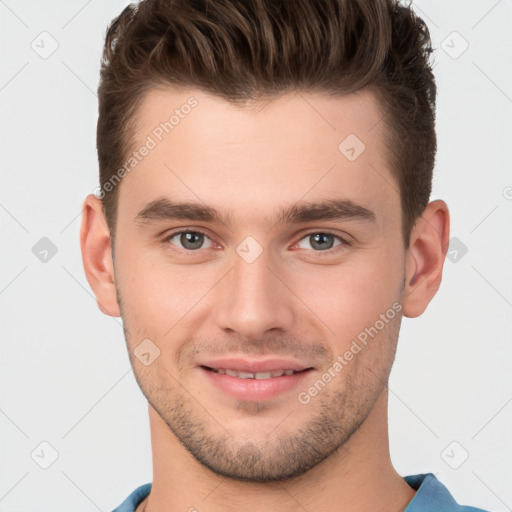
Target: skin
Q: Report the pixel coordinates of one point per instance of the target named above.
(213, 452)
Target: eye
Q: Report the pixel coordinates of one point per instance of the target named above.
(321, 241)
(189, 240)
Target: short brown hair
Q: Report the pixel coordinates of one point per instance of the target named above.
(242, 50)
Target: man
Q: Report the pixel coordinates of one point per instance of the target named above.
(262, 225)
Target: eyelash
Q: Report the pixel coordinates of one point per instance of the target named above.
(333, 250)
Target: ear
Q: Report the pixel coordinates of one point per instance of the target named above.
(97, 255)
(426, 254)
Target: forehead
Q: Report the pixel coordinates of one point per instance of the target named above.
(321, 116)
(299, 146)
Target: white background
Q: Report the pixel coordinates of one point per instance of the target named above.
(65, 376)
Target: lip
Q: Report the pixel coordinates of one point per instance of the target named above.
(254, 390)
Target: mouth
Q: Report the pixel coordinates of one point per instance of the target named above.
(254, 382)
(254, 375)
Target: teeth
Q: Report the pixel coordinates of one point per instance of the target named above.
(249, 375)
(244, 375)
(263, 375)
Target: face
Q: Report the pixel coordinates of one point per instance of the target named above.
(249, 242)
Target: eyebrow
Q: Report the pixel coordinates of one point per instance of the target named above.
(332, 209)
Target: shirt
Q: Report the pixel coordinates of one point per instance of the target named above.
(431, 496)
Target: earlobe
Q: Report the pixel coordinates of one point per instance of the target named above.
(97, 255)
(425, 258)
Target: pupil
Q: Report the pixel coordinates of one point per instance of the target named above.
(191, 240)
(319, 238)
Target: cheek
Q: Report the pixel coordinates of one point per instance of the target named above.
(351, 296)
(156, 295)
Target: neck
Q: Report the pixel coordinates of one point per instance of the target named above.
(358, 477)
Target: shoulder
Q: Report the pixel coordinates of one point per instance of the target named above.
(131, 503)
(433, 496)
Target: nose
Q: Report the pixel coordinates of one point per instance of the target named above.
(255, 299)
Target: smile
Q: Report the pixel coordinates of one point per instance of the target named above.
(250, 375)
